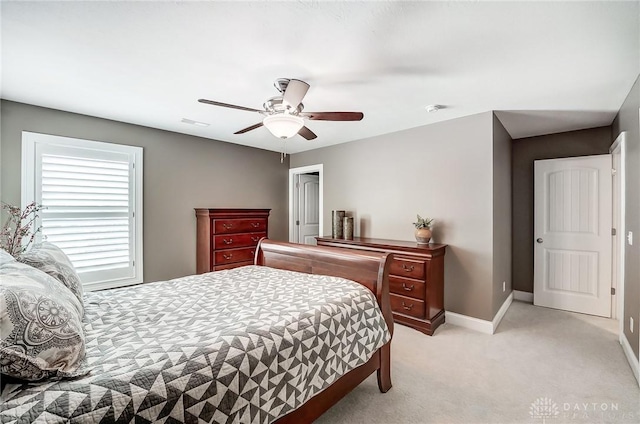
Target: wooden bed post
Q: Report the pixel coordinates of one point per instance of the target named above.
(384, 371)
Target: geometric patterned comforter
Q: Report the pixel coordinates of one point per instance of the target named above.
(246, 345)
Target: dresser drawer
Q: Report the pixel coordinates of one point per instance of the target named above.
(404, 267)
(407, 287)
(407, 305)
(230, 226)
(233, 241)
(233, 255)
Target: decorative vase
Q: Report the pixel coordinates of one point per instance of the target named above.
(423, 235)
(337, 221)
(348, 228)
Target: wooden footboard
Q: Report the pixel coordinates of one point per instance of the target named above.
(367, 268)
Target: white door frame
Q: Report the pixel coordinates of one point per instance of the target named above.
(619, 146)
(292, 176)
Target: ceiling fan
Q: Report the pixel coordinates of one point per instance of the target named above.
(284, 116)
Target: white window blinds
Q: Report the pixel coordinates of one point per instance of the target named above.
(89, 193)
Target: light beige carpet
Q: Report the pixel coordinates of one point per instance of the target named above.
(572, 365)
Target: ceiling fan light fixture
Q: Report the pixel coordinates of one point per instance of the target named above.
(283, 125)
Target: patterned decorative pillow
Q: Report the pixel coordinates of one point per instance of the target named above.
(41, 331)
(51, 259)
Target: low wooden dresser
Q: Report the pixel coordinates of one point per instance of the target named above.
(227, 238)
(416, 278)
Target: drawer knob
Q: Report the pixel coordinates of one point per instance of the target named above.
(407, 288)
(253, 252)
(255, 224)
(407, 268)
(225, 241)
(255, 238)
(227, 257)
(227, 226)
(407, 308)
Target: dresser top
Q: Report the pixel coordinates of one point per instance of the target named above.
(230, 212)
(385, 244)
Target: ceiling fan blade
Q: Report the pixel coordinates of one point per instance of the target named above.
(252, 127)
(211, 102)
(307, 133)
(294, 93)
(333, 116)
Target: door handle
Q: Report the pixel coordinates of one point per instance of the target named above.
(539, 240)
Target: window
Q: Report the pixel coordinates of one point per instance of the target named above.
(92, 194)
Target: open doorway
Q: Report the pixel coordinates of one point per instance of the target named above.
(305, 204)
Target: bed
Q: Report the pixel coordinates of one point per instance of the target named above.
(280, 341)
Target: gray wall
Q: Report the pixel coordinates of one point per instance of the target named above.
(627, 120)
(501, 214)
(525, 150)
(181, 172)
(386, 180)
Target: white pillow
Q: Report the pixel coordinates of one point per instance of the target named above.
(5, 257)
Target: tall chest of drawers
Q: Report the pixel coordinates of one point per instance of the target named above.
(416, 278)
(227, 238)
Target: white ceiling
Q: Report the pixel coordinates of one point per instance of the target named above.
(550, 66)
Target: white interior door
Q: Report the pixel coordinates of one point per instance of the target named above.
(572, 232)
(308, 194)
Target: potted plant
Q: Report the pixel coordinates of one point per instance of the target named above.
(423, 230)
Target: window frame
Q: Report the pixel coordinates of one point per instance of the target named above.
(30, 148)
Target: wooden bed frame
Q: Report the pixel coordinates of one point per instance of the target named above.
(367, 268)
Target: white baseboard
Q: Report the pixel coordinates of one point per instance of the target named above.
(471, 323)
(631, 357)
(503, 310)
(481, 325)
(523, 296)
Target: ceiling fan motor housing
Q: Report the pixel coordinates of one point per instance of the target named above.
(276, 105)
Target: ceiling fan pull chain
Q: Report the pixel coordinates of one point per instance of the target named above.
(283, 154)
